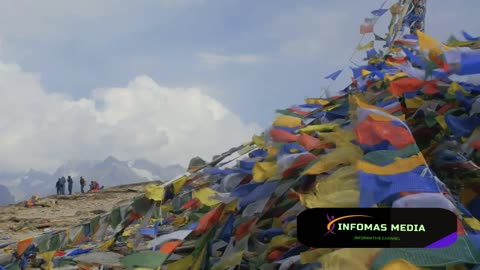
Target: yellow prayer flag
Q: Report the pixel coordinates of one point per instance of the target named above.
(204, 196)
(272, 151)
(229, 261)
(264, 170)
(344, 178)
(287, 121)
(259, 141)
(291, 226)
(332, 107)
(166, 208)
(395, 76)
(182, 264)
(367, 46)
(401, 165)
(365, 72)
(395, 49)
(322, 102)
(376, 117)
(281, 241)
(322, 127)
(154, 192)
(178, 184)
(426, 42)
(106, 245)
(197, 264)
(340, 199)
(414, 103)
(339, 190)
(390, 63)
(179, 221)
(441, 121)
(343, 154)
(313, 256)
(340, 137)
(473, 223)
(349, 258)
(455, 87)
(277, 223)
(400, 264)
(48, 257)
(231, 207)
(461, 43)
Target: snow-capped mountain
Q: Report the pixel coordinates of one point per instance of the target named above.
(109, 172)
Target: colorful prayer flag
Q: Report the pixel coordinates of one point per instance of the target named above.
(367, 46)
(334, 75)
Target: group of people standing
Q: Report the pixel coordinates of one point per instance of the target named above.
(62, 183)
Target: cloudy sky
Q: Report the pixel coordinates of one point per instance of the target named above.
(170, 79)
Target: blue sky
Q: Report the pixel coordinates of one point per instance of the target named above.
(251, 57)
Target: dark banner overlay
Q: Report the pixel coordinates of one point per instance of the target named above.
(377, 227)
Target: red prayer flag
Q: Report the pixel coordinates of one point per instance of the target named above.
(475, 144)
(209, 219)
(366, 28)
(245, 229)
(371, 132)
(279, 135)
(309, 142)
(405, 85)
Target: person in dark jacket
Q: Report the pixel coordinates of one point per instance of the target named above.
(70, 185)
(62, 185)
(57, 185)
(82, 184)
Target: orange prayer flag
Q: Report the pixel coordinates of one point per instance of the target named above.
(170, 246)
(23, 245)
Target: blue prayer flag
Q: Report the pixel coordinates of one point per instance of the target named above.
(469, 37)
(379, 12)
(377, 188)
(334, 75)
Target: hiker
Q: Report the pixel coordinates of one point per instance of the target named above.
(62, 185)
(82, 184)
(58, 186)
(94, 186)
(70, 185)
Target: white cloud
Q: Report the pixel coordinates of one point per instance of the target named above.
(143, 119)
(215, 60)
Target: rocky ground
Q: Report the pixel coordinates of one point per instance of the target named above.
(59, 212)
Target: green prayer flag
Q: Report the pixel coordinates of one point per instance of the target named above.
(289, 113)
(42, 242)
(94, 225)
(115, 218)
(203, 241)
(388, 156)
(462, 251)
(144, 259)
(14, 266)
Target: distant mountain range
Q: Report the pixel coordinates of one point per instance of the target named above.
(109, 172)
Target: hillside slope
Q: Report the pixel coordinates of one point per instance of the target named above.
(59, 212)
